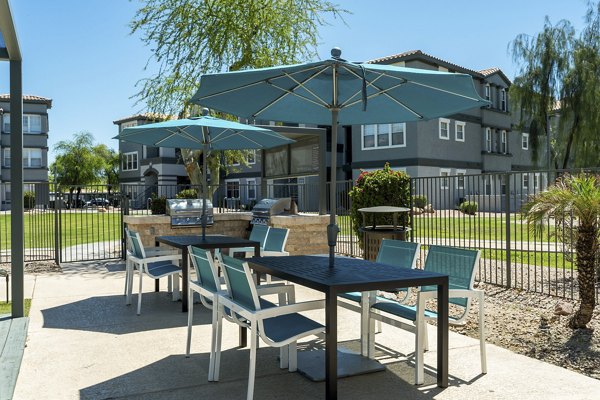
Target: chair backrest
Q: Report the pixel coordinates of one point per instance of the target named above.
(137, 248)
(259, 234)
(276, 239)
(206, 271)
(458, 264)
(240, 284)
(398, 253)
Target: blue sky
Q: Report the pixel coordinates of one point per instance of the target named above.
(81, 55)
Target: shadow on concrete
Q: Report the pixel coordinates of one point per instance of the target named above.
(178, 377)
(109, 314)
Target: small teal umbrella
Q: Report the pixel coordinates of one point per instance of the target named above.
(336, 91)
(207, 133)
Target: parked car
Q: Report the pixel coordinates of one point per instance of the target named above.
(97, 202)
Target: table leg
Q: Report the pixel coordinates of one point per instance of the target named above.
(243, 337)
(442, 335)
(184, 278)
(156, 281)
(330, 345)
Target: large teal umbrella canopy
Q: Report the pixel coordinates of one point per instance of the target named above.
(336, 91)
(207, 133)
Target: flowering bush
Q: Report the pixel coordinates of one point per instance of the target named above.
(384, 187)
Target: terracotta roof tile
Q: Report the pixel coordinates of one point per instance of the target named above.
(144, 117)
(425, 55)
(29, 98)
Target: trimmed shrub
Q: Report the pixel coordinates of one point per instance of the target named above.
(384, 187)
(158, 205)
(29, 200)
(419, 201)
(469, 207)
(187, 194)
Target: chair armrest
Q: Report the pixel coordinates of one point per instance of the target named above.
(291, 308)
(269, 253)
(452, 293)
(274, 288)
(172, 257)
(160, 251)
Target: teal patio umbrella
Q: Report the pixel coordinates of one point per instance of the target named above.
(206, 133)
(337, 91)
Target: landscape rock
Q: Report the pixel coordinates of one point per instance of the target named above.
(563, 309)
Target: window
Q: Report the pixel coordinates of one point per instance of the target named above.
(377, 136)
(503, 100)
(503, 147)
(460, 178)
(445, 181)
(459, 131)
(444, 128)
(502, 184)
(6, 158)
(32, 158)
(32, 123)
(536, 181)
(487, 185)
(233, 189)
(130, 161)
(525, 141)
(251, 194)
(488, 140)
(526, 181)
(252, 157)
(128, 124)
(488, 91)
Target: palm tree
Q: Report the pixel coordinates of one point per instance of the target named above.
(576, 199)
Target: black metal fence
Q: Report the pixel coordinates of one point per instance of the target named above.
(472, 211)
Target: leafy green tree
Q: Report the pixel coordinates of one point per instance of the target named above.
(578, 198)
(109, 173)
(557, 88)
(76, 164)
(191, 37)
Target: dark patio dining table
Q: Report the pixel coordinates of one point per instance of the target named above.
(356, 275)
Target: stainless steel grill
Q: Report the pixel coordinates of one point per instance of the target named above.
(188, 212)
(264, 209)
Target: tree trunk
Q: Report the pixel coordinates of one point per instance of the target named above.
(586, 251)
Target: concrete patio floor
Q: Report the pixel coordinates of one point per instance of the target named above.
(84, 343)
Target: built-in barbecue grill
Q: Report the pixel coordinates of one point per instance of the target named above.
(264, 209)
(188, 212)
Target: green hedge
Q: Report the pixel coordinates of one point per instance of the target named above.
(469, 207)
(29, 200)
(158, 205)
(384, 187)
(419, 201)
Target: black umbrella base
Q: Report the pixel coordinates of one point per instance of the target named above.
(311, 364)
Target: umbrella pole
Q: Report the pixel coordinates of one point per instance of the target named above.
(332, 228)
(204, 188)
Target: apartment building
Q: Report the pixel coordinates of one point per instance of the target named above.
(35, 148)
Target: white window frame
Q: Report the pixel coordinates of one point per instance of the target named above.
(525, 141)
(488, 140)
(487, 92)
(536, 180)
(447, 122)
(251, 157)
(445, 180)
(463, 125)
(125, 163)
(503, 141)
(6, 158)
(503, 103)
(460, 173)
(250, 183)
(26, 123)
(525, 182)
(376, 145)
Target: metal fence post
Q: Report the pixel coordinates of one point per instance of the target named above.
(508, 246)
(124, 211)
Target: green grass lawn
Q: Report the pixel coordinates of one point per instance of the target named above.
(76, 228)
(5, 308)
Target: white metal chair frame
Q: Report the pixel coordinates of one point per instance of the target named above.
(418, 324)
(155, 267)
(254, 319)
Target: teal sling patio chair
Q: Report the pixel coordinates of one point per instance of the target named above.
(459, 265)
(275, 242)
(258, 234)
(279, 326)
(149, 251)
(398, 253)
(155, 267)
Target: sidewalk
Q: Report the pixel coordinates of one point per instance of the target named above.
(84, 343)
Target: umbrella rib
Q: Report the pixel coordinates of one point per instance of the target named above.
(320, 102)
(178, 132)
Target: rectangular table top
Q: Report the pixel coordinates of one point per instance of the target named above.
(210, 242)
(347, 274)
